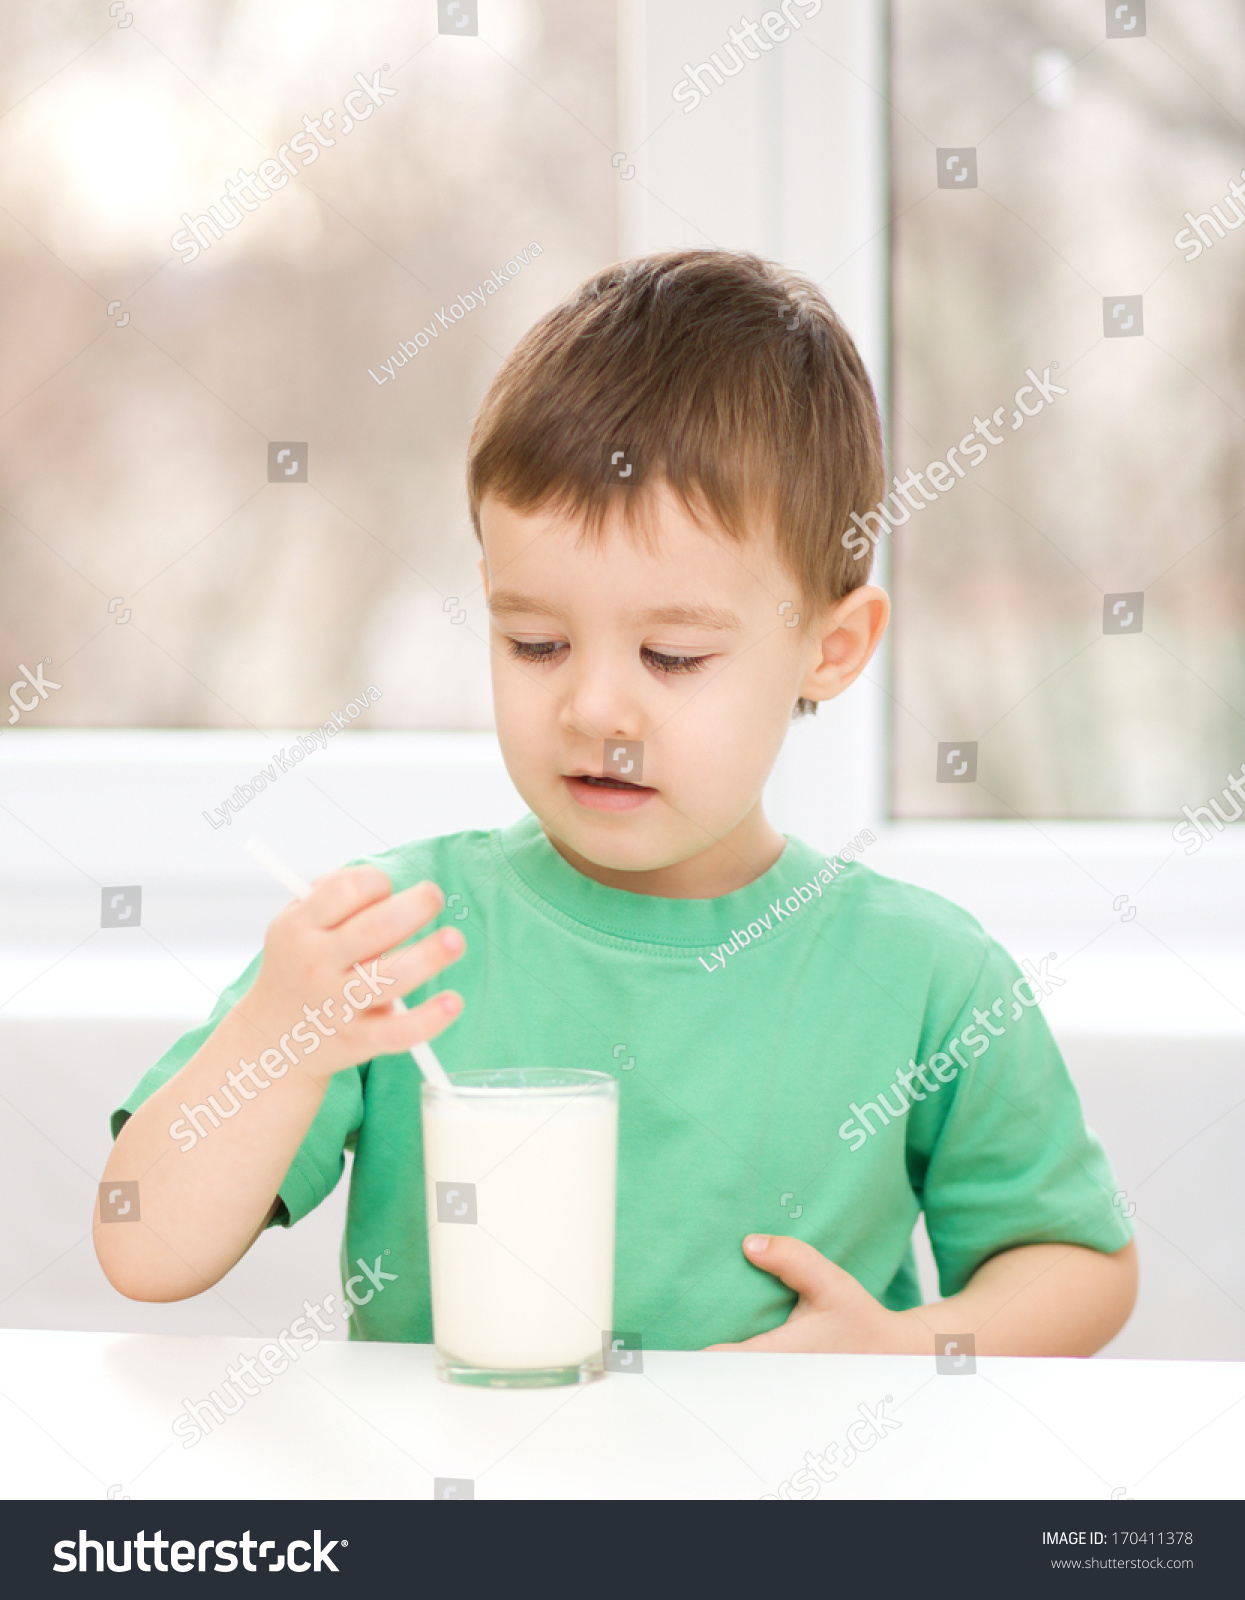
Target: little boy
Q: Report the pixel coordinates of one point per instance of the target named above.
(660, 477)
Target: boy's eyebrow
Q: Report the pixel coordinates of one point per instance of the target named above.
(512, 603)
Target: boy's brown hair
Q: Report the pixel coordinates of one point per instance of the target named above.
(726, 376)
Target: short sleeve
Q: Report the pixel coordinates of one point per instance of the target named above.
(320, 1160)
(998, 1148)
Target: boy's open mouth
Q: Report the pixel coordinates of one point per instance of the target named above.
(601, 793)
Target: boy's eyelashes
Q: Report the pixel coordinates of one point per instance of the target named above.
(547, 650)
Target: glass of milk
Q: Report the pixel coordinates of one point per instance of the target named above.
(520, 1179)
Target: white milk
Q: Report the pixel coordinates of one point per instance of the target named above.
(531, 1282)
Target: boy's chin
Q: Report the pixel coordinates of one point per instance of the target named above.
(618, 842)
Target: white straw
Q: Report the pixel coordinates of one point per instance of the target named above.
(425, 1056)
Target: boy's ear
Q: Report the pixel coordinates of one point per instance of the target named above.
(844, 639)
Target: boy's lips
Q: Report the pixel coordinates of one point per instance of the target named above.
(606, 794)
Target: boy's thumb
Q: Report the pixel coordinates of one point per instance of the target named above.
(798, 1265)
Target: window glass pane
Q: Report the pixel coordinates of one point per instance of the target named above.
(1072, 606)
(350, 315)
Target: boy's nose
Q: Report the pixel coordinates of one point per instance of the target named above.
(600, 704)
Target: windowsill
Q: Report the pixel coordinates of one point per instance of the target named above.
(1173, 969)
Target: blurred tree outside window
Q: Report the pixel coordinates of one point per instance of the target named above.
(166, 570)
(1012, 586)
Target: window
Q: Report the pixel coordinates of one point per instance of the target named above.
(232, 482)
(1069, 609)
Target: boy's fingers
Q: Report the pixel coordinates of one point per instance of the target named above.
(761, 1341)
(800, 1267)
(414, 964)
(392, 1032)
(385, 923)
(340, 894)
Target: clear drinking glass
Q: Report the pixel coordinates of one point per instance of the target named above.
(520, 1170)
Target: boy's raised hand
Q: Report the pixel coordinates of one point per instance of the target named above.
(331, 947)
(833, 1313)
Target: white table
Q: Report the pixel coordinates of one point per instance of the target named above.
(89, 1415)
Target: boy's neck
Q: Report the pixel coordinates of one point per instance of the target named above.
(735, 861)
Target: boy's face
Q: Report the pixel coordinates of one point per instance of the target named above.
(682, 648)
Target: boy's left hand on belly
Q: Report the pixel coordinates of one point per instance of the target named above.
(833, 1313)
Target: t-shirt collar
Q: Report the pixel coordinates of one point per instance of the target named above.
(651, 919)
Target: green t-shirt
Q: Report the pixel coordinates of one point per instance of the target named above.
(752, 1036)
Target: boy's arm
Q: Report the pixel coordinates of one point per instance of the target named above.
(202, 1205)
(1034, 1300)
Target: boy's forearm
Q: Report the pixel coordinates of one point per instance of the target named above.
(201, 1208)
(1035, 1300)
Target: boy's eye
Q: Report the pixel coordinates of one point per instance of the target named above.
(538, 650)
(546, 650)
(674, 663)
